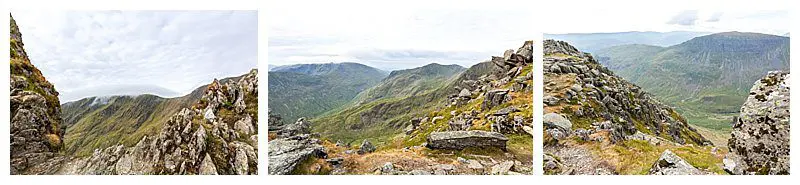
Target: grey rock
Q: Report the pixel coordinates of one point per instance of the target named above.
(457, 140)
(671, 164)
(366, 147)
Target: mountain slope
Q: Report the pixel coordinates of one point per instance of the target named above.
(217, 134)
(410, 82)
(595, 122)
(100, 122)
(706, 77)
(37, 132)
(308, 90)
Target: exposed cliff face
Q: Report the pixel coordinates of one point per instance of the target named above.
(36, 129)
(217, 135)
(759, 143)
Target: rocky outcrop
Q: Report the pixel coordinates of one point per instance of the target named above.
(457, 140)
(588, 91)
(37, 132)
(759, 142)
(218, 135)
(293, 145)
(286, 153)
(671, 164)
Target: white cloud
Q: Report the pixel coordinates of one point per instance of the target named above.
(684, 18)
(167, 53)
(394, 37)
(766, 16)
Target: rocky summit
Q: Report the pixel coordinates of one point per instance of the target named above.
(596, 122)
(37, 132)
(759, 142)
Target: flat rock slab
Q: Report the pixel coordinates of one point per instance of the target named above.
(457, 140)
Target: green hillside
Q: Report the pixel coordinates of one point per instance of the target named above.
(706, 78)
(101, 122)
(309, 90)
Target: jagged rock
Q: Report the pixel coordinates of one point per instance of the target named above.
(494, 98)
(465, 93)
(366, 147)
(301, 126)
(457, 140)
(36, 128)
(244, 126)
(503, 168)
(285, 153)
(595, 88)
(671, 164)
(207, 166)
(759, 142)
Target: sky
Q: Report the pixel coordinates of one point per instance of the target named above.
(391, 37)
(763, 16)
(166, 53)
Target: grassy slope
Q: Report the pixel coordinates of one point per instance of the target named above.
(312, 90)
(124, 120)
(705, 78)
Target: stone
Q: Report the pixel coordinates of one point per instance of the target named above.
(494, 98)
(465, 93)
(457, 140)
(503, 168)
(557, 121)
(671, 164)
(207, 167)
(366, 147)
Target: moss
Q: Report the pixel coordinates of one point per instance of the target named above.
(54, 141)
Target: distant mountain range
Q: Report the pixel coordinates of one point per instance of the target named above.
(308, 90)
(707, 78)
(591, 42)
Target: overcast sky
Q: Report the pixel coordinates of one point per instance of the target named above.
(393, 37)
(763, 16)
(101, 53)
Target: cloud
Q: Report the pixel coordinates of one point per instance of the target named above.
(99, 53)
(715, 17)
(392, 38)
(684, 18)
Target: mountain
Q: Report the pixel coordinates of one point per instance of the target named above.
(596, 122)
(308, 90)
(37, 131)
(592, 42)
(410, 82)
(100, 122)
(412, 116)
(705, 78)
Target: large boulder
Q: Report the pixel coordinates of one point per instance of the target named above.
(557, 121)
(759, 142)
(286, 153)
(671, 164)
(457, 140)
(494, 98)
